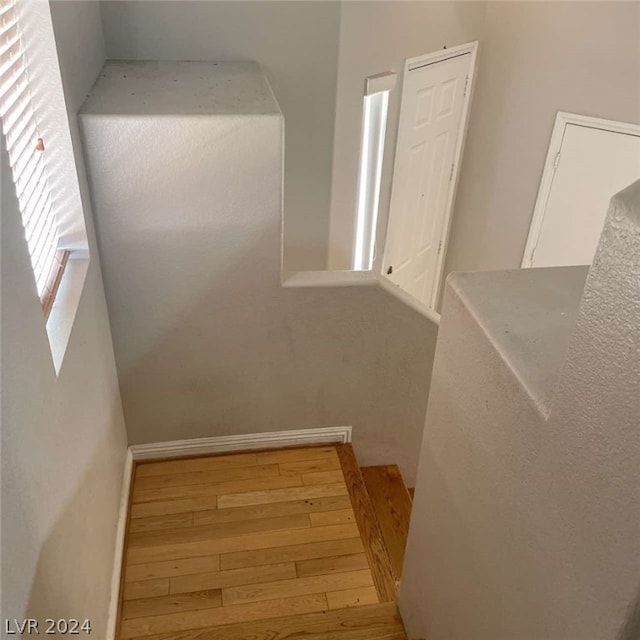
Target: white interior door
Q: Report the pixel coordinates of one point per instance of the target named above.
(432, 123)
(589, 161)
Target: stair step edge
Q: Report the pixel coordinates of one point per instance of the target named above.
(369, 526)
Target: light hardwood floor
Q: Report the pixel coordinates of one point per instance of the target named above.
(226, 540)
(391, 502)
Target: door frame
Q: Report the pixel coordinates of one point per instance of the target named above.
(412, 64)
(563, 119)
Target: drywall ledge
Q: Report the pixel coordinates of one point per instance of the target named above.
(313, 279)
(328, 279)
(180, 88)
(528, 316)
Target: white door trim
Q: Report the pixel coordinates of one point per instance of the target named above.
(417, 63)
(563, 119)
(439, 56)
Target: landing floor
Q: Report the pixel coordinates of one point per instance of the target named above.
(235, 538)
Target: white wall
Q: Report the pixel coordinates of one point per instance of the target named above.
(297, 44)
(207, 341)
(536, 58)
(527, 525)
(533, 62)
(63, 439)
(375, 37)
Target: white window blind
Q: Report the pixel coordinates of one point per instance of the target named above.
(27, 157)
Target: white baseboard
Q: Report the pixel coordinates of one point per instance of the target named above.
(119, 548)
(221, 444)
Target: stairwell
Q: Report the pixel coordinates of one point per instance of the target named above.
(211, 338)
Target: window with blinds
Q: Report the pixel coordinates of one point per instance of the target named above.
(27, 158)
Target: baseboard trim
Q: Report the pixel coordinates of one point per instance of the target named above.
(221, 444)
(118, 553)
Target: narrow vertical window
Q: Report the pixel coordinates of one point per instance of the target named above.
(374, 124)
(27, 157)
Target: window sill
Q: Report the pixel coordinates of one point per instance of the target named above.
(65, 306)
(303, 279)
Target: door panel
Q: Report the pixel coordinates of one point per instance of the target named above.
(592, 166)
(430, 122)
(405, 228)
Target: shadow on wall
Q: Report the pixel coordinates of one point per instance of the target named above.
(631, 629)
(71, 580)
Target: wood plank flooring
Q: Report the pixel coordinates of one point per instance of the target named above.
(369, 528)
(251, 545)
(374, 622)
(392, 504)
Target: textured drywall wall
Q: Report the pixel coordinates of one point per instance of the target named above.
(207, 341)
(522, 526)
(297, 45)
(376, 37)
(536, 58)
(63, 439)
